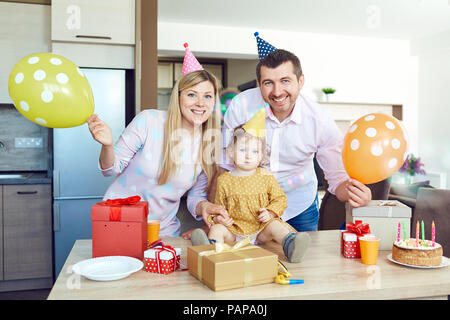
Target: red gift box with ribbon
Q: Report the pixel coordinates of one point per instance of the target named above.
(349, 238)
(119, 227)
(161, 258)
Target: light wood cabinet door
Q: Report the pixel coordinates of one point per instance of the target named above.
(27, 231)
(100, 21)
(165, 75)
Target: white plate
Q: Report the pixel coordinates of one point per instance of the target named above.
(107, 268)
(445, 262)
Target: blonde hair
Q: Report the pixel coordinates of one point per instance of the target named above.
(210, 149)
(240, 133)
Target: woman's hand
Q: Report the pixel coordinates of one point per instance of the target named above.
(205, 208)
(265, 215)
(100, 131)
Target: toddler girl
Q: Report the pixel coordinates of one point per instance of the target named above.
(254, 201)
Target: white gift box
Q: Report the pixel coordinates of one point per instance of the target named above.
(383, 217)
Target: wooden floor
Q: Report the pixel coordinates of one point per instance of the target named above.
(25, 295)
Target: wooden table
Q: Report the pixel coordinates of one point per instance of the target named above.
(327, 275)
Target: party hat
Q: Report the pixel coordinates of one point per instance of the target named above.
(256, 126)
(264, 48)
(190, 63)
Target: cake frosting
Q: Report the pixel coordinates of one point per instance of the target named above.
(421, 253)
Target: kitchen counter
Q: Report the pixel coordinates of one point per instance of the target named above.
(327, 275)
(25, 178)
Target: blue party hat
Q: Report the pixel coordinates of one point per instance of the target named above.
(264, 48)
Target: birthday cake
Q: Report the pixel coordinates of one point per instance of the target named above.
(423, 253)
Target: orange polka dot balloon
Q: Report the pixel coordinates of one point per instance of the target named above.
(375, 147)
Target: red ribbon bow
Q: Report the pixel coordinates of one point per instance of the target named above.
(159, 247)
(115, 213)
(358, 227)
(122, 201)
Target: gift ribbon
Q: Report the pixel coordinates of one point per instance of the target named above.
(159, 247)
(115, 206)
(237, 249)
(358, 227)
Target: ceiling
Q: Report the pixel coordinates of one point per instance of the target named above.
(393, 19)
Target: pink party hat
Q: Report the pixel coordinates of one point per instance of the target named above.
(190, 63)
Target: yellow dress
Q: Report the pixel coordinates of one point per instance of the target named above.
(242, 197)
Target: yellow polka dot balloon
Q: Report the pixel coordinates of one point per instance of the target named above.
(51, 90)
(375, 147)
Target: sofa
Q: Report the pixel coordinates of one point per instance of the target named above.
(332, 210)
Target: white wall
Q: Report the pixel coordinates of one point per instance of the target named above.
(360, 69)
(24, 29)
(434, 101)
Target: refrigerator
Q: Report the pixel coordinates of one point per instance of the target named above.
(77, 181)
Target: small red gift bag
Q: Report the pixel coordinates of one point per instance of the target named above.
(119, 228)
(161, 258)
(349, 238)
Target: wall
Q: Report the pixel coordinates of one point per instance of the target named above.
(434, 100)
(361, 69)
(13, 128)
(24, 29)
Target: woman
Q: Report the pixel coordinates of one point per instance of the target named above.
(160, 154)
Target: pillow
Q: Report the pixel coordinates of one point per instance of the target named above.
(408, 190)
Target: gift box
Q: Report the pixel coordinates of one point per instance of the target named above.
(119, 228)
(349, 238)
(383, 217)
(161, 258)
(224, 266)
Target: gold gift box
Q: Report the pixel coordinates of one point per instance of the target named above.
(231, 267)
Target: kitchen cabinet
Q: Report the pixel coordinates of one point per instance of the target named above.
(1, 232)
(165, 75)
(215, 69)
(170, 72)
(24, 29)
(27, 234)
(99, 21)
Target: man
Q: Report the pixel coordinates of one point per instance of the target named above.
(296, 129)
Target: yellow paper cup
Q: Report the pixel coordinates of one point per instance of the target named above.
(369, 249)
(152, 231)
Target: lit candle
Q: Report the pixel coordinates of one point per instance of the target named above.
(417, 233)
(398, 232)
(404, 230)
(433, 233)
(423, 231)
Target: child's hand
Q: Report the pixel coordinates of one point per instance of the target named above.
(265, 215)
(227, 222)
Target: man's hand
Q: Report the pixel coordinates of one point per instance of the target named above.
(265, 215)
(227, 222)
(356, 193)
(205, 208)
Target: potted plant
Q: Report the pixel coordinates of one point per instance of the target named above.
(411, 167)
(327, 92)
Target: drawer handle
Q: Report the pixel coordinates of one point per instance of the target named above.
(27, 192)
(93, 37)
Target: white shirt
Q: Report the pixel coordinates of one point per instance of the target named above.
(291, 145)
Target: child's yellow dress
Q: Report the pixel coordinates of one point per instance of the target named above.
(242, 197)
